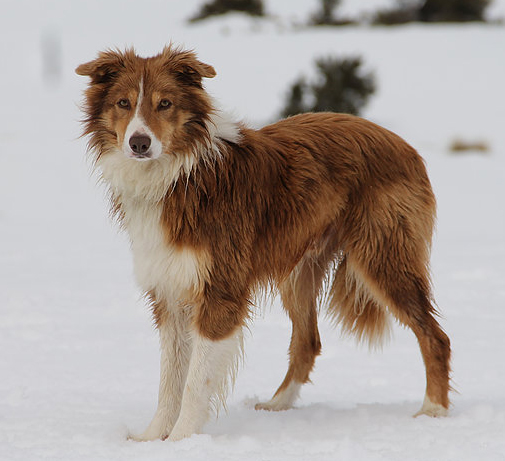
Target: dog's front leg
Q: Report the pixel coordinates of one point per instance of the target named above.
(212, 365)
(175, 343)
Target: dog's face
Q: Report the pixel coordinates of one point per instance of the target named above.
(146, 107)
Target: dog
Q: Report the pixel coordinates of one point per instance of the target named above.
(322, 208)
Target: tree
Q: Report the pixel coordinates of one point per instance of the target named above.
(433, 11)
(341, 86)
(218, 7)
(453, 10)
(405, 11)
(326, 15)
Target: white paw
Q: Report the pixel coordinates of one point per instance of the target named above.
(272, 405)
(429, 408)
(182, 431)
(148, 436)
(159, 428)
(283, 400)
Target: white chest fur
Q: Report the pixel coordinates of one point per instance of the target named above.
(175, 273)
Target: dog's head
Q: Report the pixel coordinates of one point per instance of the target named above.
(146, 108)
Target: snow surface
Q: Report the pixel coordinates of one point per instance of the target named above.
(78, 354)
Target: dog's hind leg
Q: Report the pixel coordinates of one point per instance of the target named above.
(407, 295)
(299, 295)
(391, 261)
(412, 306)
(175, 345)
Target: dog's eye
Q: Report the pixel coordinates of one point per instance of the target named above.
(164, 104)
(124, 103)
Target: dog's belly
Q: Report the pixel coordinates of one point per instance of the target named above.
(171, 272)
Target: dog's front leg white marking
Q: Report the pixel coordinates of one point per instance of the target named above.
(175, 342)
(212, 366)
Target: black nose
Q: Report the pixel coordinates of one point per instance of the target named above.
(140, 143)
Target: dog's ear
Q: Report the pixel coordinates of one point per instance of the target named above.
(186, 67)
(193, 74)
(200, 68)
(104, 68)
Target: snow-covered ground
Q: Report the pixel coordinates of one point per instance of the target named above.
(78, 354)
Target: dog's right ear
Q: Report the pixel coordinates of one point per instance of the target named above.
(104, 68)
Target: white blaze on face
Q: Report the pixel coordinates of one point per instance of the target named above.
(138, 127)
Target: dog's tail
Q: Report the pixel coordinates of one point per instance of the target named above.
(353, 304)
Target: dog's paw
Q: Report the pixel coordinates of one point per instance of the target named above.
(159, 429)
(148, 436)
(182, 431)
(175, 436)
(282, 400)
(429, 408)
(273, 405)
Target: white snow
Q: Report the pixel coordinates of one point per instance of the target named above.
(79, 357)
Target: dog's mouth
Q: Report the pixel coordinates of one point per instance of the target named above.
(140, 157)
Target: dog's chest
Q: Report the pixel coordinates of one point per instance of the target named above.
(173, 272)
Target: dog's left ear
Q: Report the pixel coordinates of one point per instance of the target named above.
(187, 68)
(200, 68)
(104, 68)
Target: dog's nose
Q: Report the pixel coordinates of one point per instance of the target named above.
(140, 143)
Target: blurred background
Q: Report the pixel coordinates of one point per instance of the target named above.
(78, 355)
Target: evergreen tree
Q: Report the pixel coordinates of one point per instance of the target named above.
(326, 14)
(433, 11)
(453, 10)
(341, 86)
(218, 7)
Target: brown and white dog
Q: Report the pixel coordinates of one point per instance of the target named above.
(325, 208)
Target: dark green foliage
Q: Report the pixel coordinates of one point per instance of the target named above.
(433, 11)
(218, 7)
(341, 86)
(453, 10)
(326, 15)
(405, 11)
(295, 104)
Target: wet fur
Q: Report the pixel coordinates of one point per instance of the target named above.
(320, 206)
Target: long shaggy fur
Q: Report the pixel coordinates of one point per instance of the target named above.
(327, 208)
